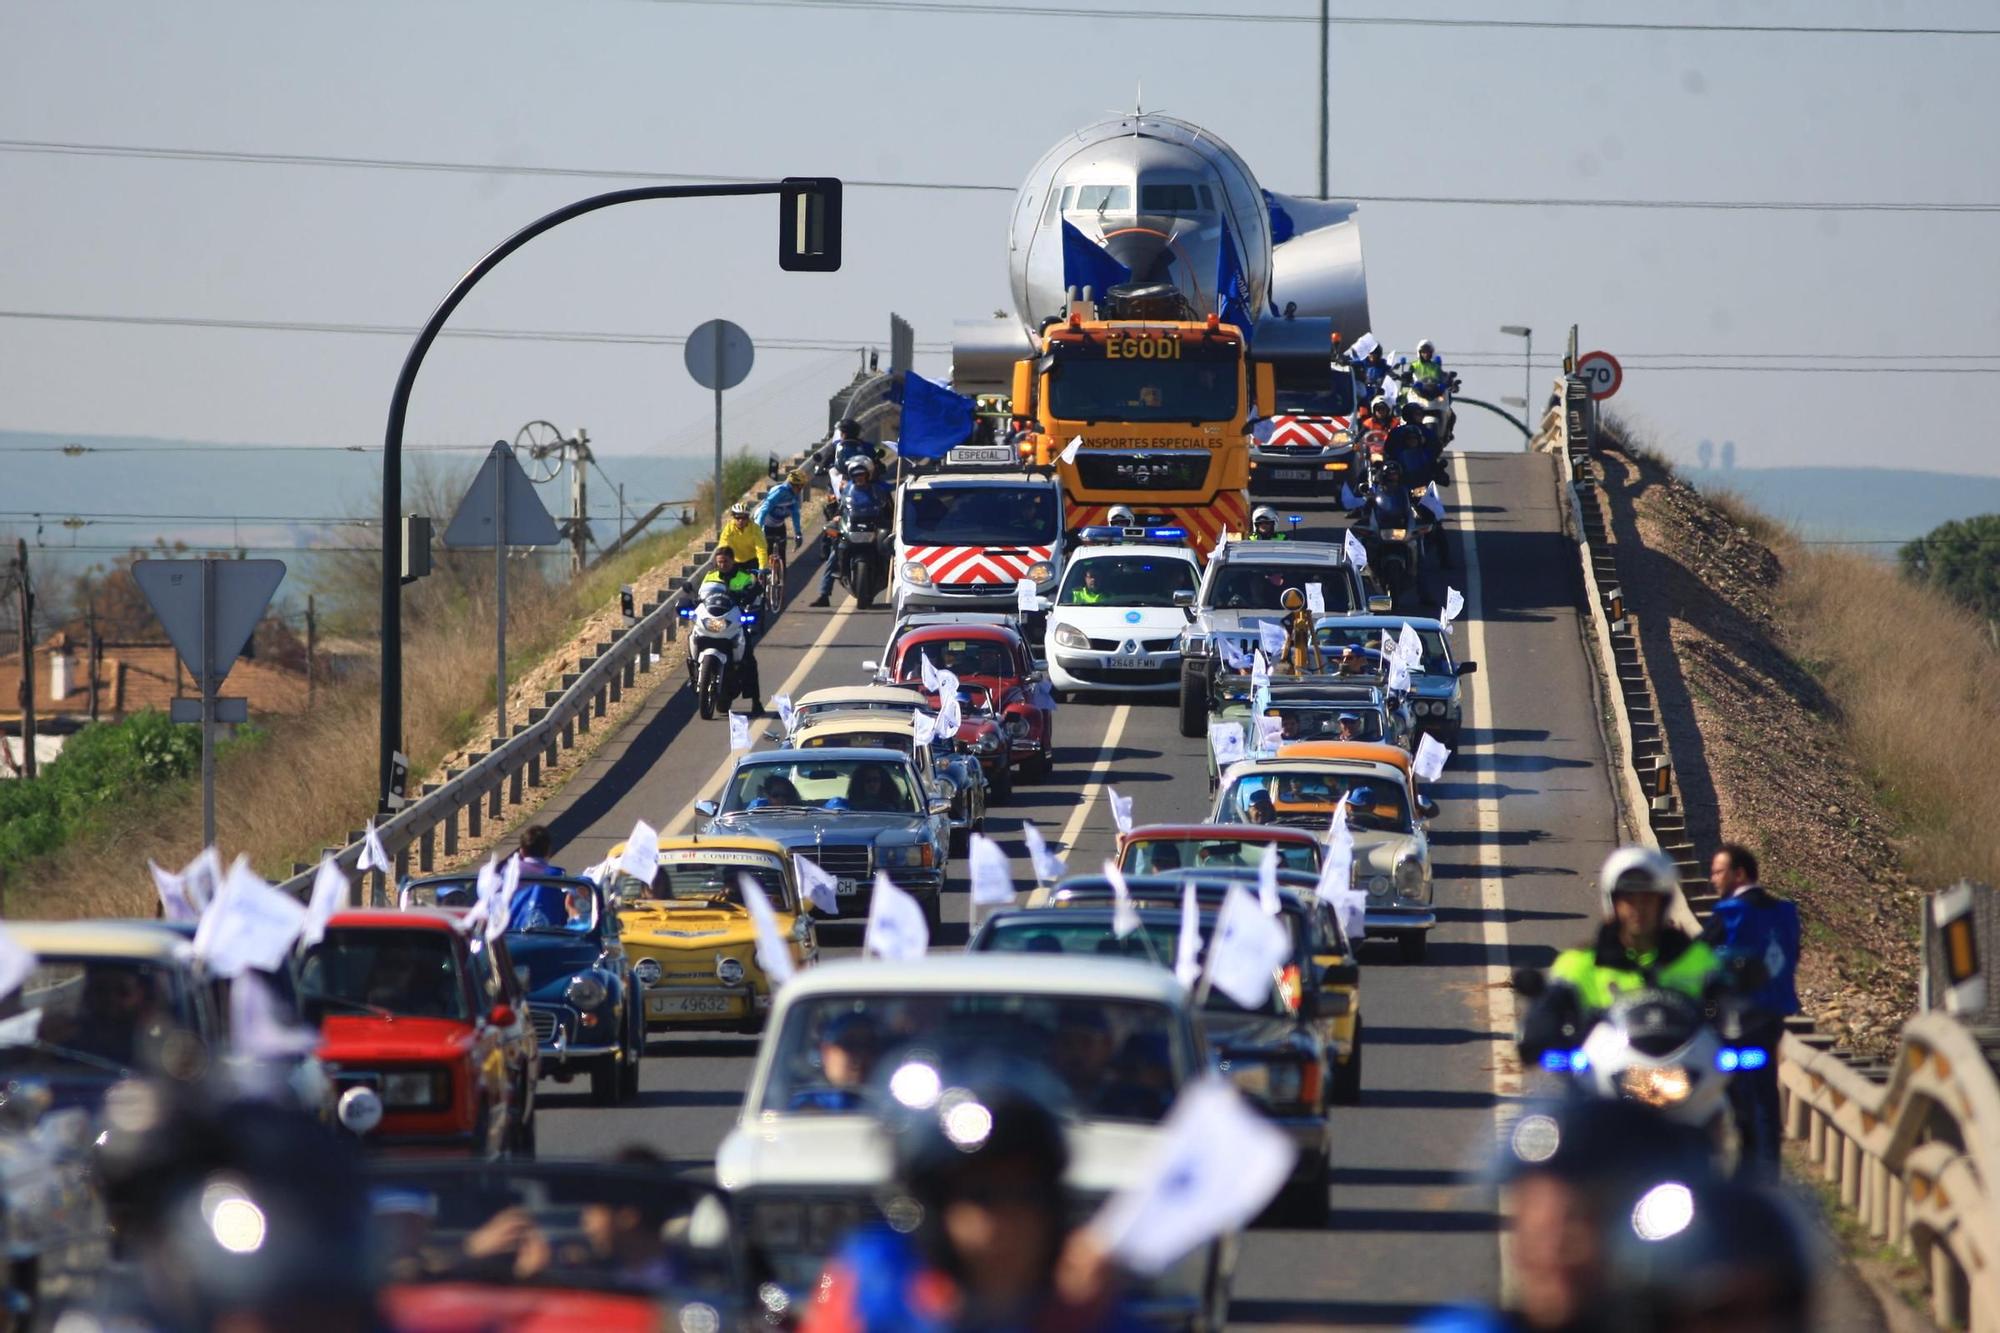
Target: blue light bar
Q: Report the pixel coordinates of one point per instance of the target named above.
(1102, 533)
(1167, 534)
(1558, 1061)
(749, 617)
(1730, 1060)
(687, 613)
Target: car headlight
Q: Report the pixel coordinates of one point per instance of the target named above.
(1409, 877)
(1069, 636)
(985, 743)
(416, 1087)
(729, 971)
(1251, 1080)
(585, 992)
(647, 970)
(1378, 886)
(914, 572)
(1656, 1087)
(1016, 726)
(1041, 571)
(714, 625)
(915, 854)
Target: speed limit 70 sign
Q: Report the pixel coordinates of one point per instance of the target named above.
(1601, 371)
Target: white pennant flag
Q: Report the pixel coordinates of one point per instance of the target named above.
(1121, 810)
(329, 894)
(1124, 916)
(258, 1025)
(1267, 880)
(374, 856)
(816, 886)
(992, 885)
(1068, 455)
(1270, 733)
(1454, 602)
(1025, 597)
(1429, 762)
(1336, 876)
(1214, 1164)
(1399, 673)
(1271, 639)
(642, 853)
(1433, 502)
(23, 1029)
(201, 879)
(773, 954)
(927, 672)
(949, 717)
(896, 926)
(1410, 646)
(249, 925)
(17, 964)
(783, 703)
(1187, 948)
(739, 731)
(947, 684)
(1363, 346)
(1233, 655)
(1260, 672)
(486, 889)
(1248, 948)
(1357, 554)
(1048, 866)
(1226, 740)
(174, 904)
(924, 727)
(1316, 598)
(500, 914)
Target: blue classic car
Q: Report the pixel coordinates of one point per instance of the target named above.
(587, 1008)
(850, 811)
(1435, 698)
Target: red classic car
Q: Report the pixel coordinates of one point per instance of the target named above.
(411, 1008)
(990, 659)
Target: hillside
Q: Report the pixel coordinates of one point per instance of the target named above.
(1881, 505)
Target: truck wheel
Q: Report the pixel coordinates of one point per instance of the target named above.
(705, 689)
(1194, 704)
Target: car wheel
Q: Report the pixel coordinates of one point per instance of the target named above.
(1303, 1203)
(1037, 769)
(1347, 1077)
(961, 838)
(1194, 704)
(604, 1080)
(1002, 782)
(1412, 946)
(934, 913)
(628, 1072)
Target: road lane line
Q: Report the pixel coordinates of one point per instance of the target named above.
(1498, 989)
(792, 682)
(1098, 770)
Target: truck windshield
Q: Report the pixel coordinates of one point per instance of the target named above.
(979, 516)
(1090, 388)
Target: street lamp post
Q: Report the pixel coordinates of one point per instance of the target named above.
(808, 240)
(1527, 335)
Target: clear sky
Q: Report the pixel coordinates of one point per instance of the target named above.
(648, 85)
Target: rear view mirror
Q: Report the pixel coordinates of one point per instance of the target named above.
(1427, 807)
(1184, 597)
(1467, 668)
(1381, 604)
(705, 808)
(871, 666)
(809, 224)
(940, 805)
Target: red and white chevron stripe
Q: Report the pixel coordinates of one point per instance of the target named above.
(1291, 430)
(962, 565)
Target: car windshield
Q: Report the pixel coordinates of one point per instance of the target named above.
(118, 1011)
(1155, 941)
(1257, 585)
(543, 908)
(709, 881)
(1152, 856)
(961, 657)
(1314, 389)
(1117, 1059)
(1091, 388)
(822, 784)
(1305, 798)
(1126, 580)
(411, 973)
(979, 516)
(1437, 657)
(1321, 722)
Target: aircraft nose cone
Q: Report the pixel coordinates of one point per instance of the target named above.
(1145, 252)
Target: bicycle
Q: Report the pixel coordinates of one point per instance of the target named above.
(777, 543)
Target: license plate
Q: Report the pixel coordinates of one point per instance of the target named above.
(691, 1004)
(847, 888)
(981, 453)
(1292, 474)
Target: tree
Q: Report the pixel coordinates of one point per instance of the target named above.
(1962, 560)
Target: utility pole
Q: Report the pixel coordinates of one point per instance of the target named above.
(579, 514)
(1325, 89)
(312, 648)
(27, 657)
(96, 647)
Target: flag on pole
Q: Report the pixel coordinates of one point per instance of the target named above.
(1048, 866)
(1068, 455)
(992, 885)
(739, 731)
(373, 855)
(172, 888)
(1121, 810)
(774, 955)
(1187, 948)
(329, 894)
(1454, 603)
(1267, 880)
(642, 853)
(1357, 554)
(1430, 759)
(896, 925)
(816, 886)
(1124, 916)
(1248, 948)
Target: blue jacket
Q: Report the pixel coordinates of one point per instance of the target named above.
(1760, 926)
(781, 502)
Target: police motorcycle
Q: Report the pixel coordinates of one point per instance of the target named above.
(720, 662)
(1392, 527)
(859, 537)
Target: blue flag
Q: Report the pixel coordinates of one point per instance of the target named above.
(1087, 264)
(1232, 288)
(934, 418)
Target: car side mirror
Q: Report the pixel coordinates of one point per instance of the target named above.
(502, 1016)
(871, 666)
(1381, 604)
(1184, 597)
(1467, 668)
(940, 805)
(773, 734)
(1530, 982)
(1427, 807)
(705, 808)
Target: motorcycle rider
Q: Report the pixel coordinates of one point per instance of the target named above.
(1374, 370)
(747, 588)
(1429, 378)
(744, 537)
(981, 1171)
(848, 444)
(1264, 526)
(786, 500)
(1636, 948)
(868, 500)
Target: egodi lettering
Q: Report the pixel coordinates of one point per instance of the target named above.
(1143, 349)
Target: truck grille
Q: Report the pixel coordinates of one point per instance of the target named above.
(841, 862)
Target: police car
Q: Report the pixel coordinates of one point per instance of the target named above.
(1114, 623)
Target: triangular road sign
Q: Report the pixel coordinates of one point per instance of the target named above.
(242, 589)
(528, 523)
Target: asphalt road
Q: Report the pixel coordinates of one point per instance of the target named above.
(1527, 817)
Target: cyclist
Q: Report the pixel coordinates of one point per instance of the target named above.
(744, 537)
(783, 501)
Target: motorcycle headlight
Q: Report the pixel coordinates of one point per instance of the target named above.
(729, 971)
(1041, 571)
(1396, 534)
(914, 572)
(585, 992)
(1069, 636)
(647, 970)
(714, 625)
(1656, 1087)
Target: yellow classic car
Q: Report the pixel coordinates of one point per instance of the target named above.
(690, 937)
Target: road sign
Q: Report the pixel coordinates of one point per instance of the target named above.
(209, 608)
(527, 522)
(719, 354)
(1601, 371)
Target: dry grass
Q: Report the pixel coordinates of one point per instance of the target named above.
(1918, 687)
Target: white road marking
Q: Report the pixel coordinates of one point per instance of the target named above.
(1098, 772)
(1498, 988)
(791, 685)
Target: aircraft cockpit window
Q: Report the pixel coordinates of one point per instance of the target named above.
(1178, 200)
(1099, 199)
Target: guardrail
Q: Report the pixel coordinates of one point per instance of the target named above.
(1912, 1144)
(427, 831)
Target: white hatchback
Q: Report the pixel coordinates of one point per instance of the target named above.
(1113, 624)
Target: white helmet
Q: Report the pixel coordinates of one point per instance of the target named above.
(1263, 514)
(1381, 403)
(859, 466)
(1426, 346)
(1638, 870)
(1121, 516)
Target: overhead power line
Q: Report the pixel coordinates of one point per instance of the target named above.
(1343, 20)
(141, 151)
